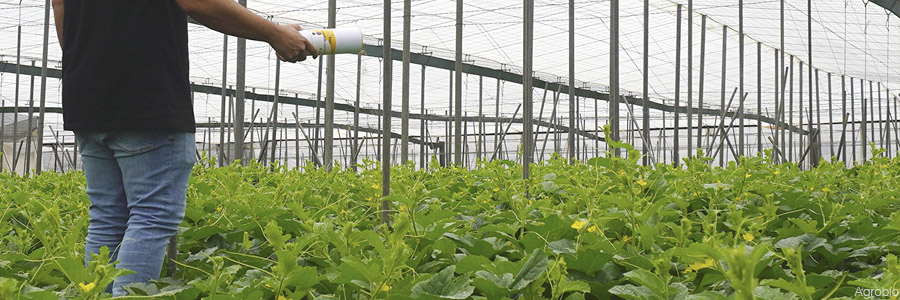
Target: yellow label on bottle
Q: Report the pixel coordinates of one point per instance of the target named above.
(329, 36)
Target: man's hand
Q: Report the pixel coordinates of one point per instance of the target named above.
(290, 45)
(58, 12)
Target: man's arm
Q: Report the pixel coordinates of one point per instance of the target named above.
(228, 17)
(58, 17)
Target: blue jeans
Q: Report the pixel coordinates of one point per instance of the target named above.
(137, 183)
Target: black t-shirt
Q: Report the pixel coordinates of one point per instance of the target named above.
(125, 66)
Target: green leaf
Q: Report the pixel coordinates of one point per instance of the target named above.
(645, 278)
(472, 263)
(274, 235)
(531, 270)
(444, 285)
(808, 241)
(590, 262)
(768, 293)
(631, 292)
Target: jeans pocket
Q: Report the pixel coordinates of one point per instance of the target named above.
(134, 142)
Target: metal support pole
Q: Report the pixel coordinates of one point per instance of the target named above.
(497, 116)
(724, 68)
(570, 139)
(690, 87)
(863, 130)
(843, 149)
(355, 143)
(800, 110)
(404, 114)
(778, 74)
(677, 87)
(386, 130)
(853, 120)
(328, 152)
(224, 96)
(645, 118)
(422, 123)
(613, 72)
(240, 95)
(817, 150)
(527, 44)
(830, 118)
(274, 119)
(457, 146)
(702, 78)
(759, 130)
(28, 140)
(790, 119)
(741, 78)
(40, 129)
(480, 136)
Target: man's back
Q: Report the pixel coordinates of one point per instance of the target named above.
(126, 66)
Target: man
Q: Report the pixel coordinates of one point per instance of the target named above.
(127, 97)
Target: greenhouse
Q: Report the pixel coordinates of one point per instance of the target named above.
(654, 149)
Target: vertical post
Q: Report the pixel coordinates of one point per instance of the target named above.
(497, 117)
(864, 126)
(722, 105)
(240, 94)
(813, 163)
(404, 115)
(297, 135)
(571, 137)
(645, 119)
(702, 80)
(480, 136)
(527, 113)
(355, 154)
(315, 148)
(690, 88)
(830, 118)
(614, 71)
(790, 119)
(224, 92)
(779, 78)
(880, 119)
(422, 123)
(328, 152)
(759, 130)
(777, 92)
(677, 126)
(457, 146)
(28, 139)
(448, 144)
(741, 78)
(800, 110)
(386, 137)
(40, 142)
(843, 150)
(274, 119)
(853, 118)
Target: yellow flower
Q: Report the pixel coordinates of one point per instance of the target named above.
(701, 265)
(402, 207)
(748, 237)
(747, 175)
(593, 229)
(642, 182)
(218, 208)
(268, 285)
(777, 172)
(532, 202)
(578, 224)
(374, 186)
(281, 297)
(496, 189)
(626, 238)
(825, 189)
(86, 288)
(385, 288)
